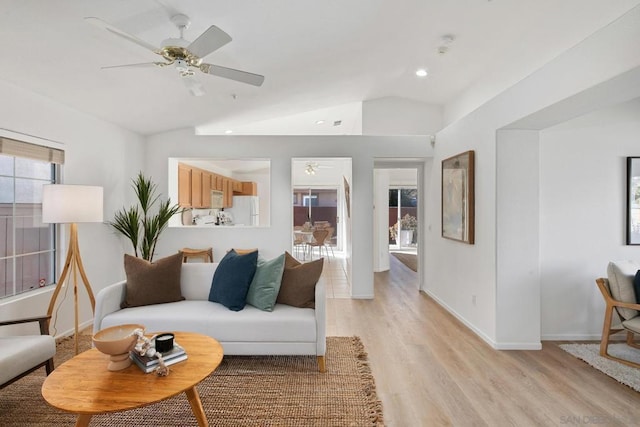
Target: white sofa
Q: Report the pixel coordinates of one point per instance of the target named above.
(286, 330)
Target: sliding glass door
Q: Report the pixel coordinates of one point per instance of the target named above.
(403, 214)
(311, 205)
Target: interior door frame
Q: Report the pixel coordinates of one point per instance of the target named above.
(420, 165)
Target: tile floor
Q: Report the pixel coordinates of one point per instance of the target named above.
(334, 273)
(334, 276)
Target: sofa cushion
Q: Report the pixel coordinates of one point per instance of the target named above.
(152, 283)
(298, 287)
(232, 278)
(265, 285)
(283, 324)
(21, 353)
(621, 275)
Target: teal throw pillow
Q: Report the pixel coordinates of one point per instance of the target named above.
(265, 285)
(232, 278)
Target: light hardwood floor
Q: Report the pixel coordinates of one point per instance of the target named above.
(430, 370)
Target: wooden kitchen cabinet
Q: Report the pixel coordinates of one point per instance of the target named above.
(206, 189)
(249, 188)
(184, 186)
(196, 188)
(195, 185)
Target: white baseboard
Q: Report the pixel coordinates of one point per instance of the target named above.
(362, 296)
(71, 332)
(482, 335)
(574, 337)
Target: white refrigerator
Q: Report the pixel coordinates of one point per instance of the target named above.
(245, 210)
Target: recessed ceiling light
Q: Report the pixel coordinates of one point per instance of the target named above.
(228, 131)
(319, 122)
(421, 72)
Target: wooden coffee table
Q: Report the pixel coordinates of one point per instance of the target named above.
(84, 386)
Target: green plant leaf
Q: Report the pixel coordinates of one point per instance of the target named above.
(138, 224)
(127, 222)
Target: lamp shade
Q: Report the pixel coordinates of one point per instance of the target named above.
(71, 203)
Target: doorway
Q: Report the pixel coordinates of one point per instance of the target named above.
(398, 206)
(319, 190)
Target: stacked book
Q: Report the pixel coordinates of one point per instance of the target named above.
(149, 364)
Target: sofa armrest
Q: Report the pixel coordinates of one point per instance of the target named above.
(321, 319)
(42, 320)
(108, 301)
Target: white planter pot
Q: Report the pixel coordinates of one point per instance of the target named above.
(406, 237)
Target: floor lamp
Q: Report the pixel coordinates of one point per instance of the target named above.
(70, 204)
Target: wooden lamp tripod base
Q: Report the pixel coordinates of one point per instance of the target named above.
(73, 262)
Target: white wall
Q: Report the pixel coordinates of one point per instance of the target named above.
(381, 179)
(400, 116)
(281, 149)
(456, 271)
(97, 153)
(517, 247)
(582, 227)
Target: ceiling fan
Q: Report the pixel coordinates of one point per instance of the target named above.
(185, 56)
(310, 168)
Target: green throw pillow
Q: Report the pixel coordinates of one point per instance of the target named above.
(265, 285)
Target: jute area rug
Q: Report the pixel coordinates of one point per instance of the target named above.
(410, 260)
(244, 391)
(622, 373)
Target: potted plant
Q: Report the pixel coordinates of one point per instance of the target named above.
(408, 225)
(138, 223)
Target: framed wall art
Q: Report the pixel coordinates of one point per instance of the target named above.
(633, 200)
(458, 197)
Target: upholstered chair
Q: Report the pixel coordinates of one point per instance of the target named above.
(23, 354)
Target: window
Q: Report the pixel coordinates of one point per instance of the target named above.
(310, 200)
(27, 246)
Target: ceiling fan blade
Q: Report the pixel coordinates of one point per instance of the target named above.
(230, 73)
(102, 24)
(212, 39)
(141, 65)
(194, 86)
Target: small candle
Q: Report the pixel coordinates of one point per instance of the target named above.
(164, 342)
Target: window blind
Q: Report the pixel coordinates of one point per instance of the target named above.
(12, 147)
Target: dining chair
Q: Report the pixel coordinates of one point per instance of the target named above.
(319, 237)
(327, 241)
(299, 244)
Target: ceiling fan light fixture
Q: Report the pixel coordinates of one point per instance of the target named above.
(310, 168)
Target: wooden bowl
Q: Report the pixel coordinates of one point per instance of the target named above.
(117, 341)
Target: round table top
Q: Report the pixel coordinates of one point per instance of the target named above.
(83, 385)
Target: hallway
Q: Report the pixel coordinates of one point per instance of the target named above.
(431, 370)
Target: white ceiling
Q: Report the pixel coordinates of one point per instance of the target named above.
(314, 55)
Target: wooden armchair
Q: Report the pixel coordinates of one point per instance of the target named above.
(24, 354)
(619, 295)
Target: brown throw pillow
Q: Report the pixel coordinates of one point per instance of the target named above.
(152, 283)
(298, 287)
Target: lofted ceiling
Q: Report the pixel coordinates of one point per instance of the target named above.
(314, 55)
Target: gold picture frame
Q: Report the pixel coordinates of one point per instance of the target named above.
(458, 197)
